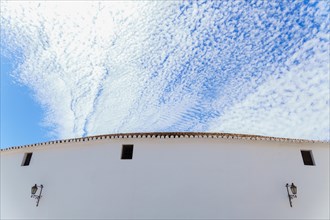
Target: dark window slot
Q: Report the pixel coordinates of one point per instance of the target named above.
(27, 159)
(127, 152)
(307, 157)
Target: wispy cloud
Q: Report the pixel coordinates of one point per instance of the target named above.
(231, 66)
(293, 102)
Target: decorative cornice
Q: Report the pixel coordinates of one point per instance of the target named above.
(167, 135)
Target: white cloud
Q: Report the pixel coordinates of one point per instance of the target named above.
(293, 103)
(104, 67)
(69, 53)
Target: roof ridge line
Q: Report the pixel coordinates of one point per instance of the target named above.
(169, 135)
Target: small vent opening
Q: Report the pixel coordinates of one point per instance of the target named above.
(307, 157)
(26, 159)
(127, 152)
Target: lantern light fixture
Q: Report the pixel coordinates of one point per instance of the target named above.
(293, 190)
(34, 190)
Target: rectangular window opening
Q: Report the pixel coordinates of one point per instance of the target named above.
(307, 157)
(26, 159)
(127, 152)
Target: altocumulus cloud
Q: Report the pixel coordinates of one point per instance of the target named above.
(227, 66)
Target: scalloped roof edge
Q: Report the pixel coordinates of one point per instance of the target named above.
(169, 135)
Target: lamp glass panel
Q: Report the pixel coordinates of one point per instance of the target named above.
(34, 189)
(293, 189)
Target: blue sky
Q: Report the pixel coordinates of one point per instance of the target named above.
(88, 68)
(20, 114)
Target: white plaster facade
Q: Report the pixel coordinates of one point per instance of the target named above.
(169, 177)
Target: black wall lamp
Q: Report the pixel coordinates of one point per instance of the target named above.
(293, 189)
(34, 189)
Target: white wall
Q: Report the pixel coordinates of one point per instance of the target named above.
(190, 178)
